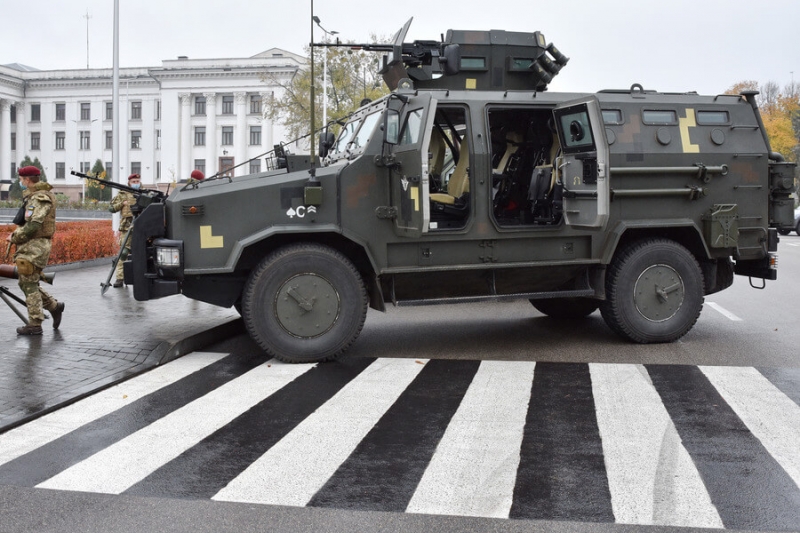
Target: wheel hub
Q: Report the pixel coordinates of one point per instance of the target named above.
(659, 293)
(307, 306)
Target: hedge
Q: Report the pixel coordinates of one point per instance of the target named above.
(74, 241)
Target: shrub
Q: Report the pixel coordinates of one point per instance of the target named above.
(75, 241)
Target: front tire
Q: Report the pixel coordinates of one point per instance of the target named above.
(304, 303)
(654, 292)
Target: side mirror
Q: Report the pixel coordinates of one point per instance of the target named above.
(391, 127)
(326, 142)
(450, 62)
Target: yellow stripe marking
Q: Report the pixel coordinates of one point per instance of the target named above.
(685, 123)
(415, 196)
(208, 240)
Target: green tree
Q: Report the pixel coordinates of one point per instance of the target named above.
(15, 192)
(95, 190)
(352, 77)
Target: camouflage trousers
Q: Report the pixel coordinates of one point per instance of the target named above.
(126, 244)
(35, 298)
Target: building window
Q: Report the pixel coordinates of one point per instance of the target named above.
(109, 140)
(36, 112)
(85, 136)
(158, 139)
(158, 109)
(200, 136)
(255, 104)
(59, 140)
(227, 135)
(136, 167)
(13, 141)
(227, 105)
(136, 139)
(108, 170)
(199, 105)
(35, 136)
(158, 170)
(136, 110)
(85, 167)
(255, 166)
(13, 115)
(61, 172)
(255, 135)
(86, 111)
(109, 110)
(61, 111)
(200, 164)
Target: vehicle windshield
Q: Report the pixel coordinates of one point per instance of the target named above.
(355, 135)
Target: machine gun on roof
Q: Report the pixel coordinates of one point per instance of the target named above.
(144, 197)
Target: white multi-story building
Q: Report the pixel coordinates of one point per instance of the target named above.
(205, 114)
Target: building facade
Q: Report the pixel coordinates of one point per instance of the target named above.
(205, 114)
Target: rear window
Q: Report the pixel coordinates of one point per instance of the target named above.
(713, 118)
(660, 117)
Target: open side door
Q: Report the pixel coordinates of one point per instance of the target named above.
(410, 194)
(583, 164)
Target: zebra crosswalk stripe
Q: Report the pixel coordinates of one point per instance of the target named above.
(39, 432)
(131, 459)
(650, 474)
(475, 465)
(295, 468)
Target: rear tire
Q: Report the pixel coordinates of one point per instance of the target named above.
(304, 303)
(566, 308)
(654, 292)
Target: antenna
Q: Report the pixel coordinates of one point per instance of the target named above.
(87, 16)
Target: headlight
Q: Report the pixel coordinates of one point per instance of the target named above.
(168, 257)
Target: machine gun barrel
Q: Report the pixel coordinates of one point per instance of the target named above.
(10, 271)
(136, 192)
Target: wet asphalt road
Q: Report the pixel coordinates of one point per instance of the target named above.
(743, 328)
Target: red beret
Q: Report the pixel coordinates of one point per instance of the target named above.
(197, 175)
(134, 177)
(26, 172)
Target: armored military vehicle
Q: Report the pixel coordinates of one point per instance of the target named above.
(472, 182)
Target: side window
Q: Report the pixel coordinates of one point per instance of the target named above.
(576, 131)
(344, 137)
(412, 127)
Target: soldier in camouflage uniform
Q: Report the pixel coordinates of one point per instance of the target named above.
(122, 203)
(36, 226)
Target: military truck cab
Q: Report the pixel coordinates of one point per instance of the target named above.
(470, 182)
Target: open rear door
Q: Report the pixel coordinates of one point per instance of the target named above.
(583, 163)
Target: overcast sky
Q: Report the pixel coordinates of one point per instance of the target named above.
(667, 45)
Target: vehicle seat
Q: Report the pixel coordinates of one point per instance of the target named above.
(458, 184)
(513, 141)
(436, 149)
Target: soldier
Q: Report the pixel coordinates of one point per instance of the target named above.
(33, 237)
(123, 202)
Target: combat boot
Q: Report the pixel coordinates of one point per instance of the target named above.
(57, 312)
(118, 284)
(29, 329)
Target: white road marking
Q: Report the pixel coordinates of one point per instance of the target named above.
(766, 411)
(651, 476)
(125, 463)
(474, 469)
(39, 432)
(297, 466)
(724, 312)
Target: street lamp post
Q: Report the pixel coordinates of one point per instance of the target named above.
(324, 73)
(83, 156)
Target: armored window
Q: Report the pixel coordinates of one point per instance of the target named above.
(136, 139)
(59, 140)
(200, 136)
(227, 105)
(36, 112)
(255, 104)
(200, 106)
(473, 63)
(109, 110)
(344, 137)
(227, 135)
(200, 164)
(365, 131)
(35, 136)
(136, 110)
(255, 166)
(612, 116)
(575, 129)
(109, 140)
(86, 111)
(61, 172)
(61, 111)
(713, 118)
(659, 117)
(136, 167)
(412, 127)
(255, 135)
